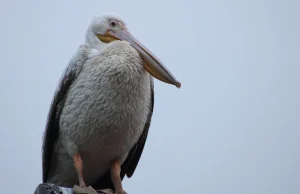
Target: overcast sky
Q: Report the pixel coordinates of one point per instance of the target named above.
(233, 127)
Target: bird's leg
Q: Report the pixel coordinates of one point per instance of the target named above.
(78, 163)
(115, 170)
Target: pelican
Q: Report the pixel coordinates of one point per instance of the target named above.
(100, 115)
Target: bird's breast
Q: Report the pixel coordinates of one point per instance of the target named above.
(107, 105)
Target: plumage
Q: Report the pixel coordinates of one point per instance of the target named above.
(51, 133)
(101, 112)
(85, 88)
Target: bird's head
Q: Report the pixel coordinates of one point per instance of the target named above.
(109, 27)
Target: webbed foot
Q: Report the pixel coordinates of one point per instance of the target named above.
(105, 191)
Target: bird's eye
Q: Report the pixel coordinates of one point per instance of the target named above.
(113, 24)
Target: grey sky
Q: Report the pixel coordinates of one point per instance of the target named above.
(232, 128)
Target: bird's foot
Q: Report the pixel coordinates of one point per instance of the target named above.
(84, 190)
(121, 192)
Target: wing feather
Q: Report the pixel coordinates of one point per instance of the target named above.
(135, 153)
(51, 132)
(132, 160)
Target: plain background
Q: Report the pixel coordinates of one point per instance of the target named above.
(232, 128)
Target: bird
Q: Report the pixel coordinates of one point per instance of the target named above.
(101, 111)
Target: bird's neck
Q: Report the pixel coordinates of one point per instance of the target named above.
(93, 40)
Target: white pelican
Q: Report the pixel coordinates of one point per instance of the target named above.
(101, 112)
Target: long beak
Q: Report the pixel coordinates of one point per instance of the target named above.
(151, 63)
